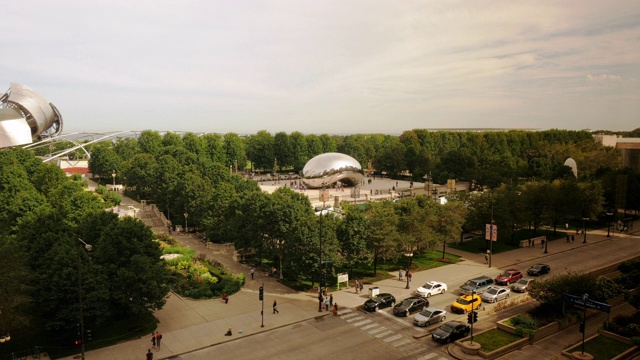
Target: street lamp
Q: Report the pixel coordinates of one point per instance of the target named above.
(585, 298)
(87, 247)
(584, 230)
(410, 256)
(113, 174)
(186, 223)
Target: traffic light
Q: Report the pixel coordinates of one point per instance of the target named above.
(581, 327)
(475, 316)
(261, 293)
(470, 318)
(78, 339)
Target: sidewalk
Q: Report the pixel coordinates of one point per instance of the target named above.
(188, 325)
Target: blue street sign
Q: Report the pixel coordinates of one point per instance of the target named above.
(578, 300)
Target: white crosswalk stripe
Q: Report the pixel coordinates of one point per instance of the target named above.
(360, 323)
(355, 318)
(369, 326)
(377, 330)
(349, 315)
(391, 338)
(384, 334)
(401, 342)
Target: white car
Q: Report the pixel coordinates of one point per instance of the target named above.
(431, 288)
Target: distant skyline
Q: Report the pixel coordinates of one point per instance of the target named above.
(335, 67)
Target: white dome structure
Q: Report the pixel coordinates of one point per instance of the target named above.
(572, 164)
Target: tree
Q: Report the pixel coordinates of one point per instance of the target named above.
(140, 172)
(214, 149)
(234, 148)
(299, 149)
(352, 234)
(282, 149)
(126, 148)
(104, 161)
(194, 144)
(260, 150)
(129, 257)
(150, 142)
(383, 236)
(170, 139)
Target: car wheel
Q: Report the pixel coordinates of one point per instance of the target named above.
(507, 296)
(442, 292)
(375, 308)
(428, 295)
(406, 313)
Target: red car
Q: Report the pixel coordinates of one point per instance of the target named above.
(508, 277)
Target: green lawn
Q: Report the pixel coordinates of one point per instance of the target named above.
(602, 348)
(495, 339)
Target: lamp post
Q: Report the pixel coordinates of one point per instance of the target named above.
(410, 256)
(584, 230)
(87, 247)
(113, 174)
(186, 223)
(324, 196)
(585, 297)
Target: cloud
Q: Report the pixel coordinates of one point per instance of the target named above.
(603, 77)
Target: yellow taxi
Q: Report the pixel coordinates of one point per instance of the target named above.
(466, 303)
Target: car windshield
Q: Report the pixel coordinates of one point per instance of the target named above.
(471, 283)
(522, 282)
(506, 274)
(426, 313)
(407, 302)
(462, 301)
(446, 328)
(492, 291)
(537, 267)
(427, 286)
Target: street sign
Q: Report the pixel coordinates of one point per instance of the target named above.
(491, 233)
(578, 300)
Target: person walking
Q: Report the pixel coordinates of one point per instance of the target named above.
(149, 355)
(252, 272)
(158, 339)
(409, 275)
(486, 258)
(330, 299)
(275, 307)
(400, 274)
(228, 333)
(357, 286)
(326, 304)
(335, 309)
(225, 298)
(153, 339)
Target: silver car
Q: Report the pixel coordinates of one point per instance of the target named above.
(429, 316)
(522, 285)
(495, 293)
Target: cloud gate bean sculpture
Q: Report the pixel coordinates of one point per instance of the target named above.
(329, 168)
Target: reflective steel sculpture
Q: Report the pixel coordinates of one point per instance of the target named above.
(25, 116)
(326, 169)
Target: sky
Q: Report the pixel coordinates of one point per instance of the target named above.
(325, 66)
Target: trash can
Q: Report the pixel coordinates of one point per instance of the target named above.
(374, 291)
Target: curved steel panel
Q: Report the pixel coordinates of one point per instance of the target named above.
(326, 169)
(39, 114)
(14, 130)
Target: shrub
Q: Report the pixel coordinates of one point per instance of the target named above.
(524, 321)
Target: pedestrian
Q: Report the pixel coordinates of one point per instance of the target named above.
(357, 286)
(158, 339)
(149, 355)
(568, 239)
(252, 271)
(225, 298)
(573, 238)
(275, 307)
(361, 287)
(228, 333)
(400, 274)
(326, 304)
(331, 300)
(486, 258)
(542, 244)
(153, 339)
(566, 226)
(335, 309)
(409, 275)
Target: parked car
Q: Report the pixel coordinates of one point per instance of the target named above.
(431, 288)
(539, 269)
(495, 293)
(410, 306)
(429, 316)
(379, 301)
(466, 303)
(508, 277)
(479, 285)
(450, 331)
(522, 285)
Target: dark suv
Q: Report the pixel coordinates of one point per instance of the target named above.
(479, 285)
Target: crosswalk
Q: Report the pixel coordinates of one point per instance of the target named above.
(406, 344)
